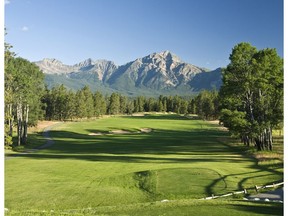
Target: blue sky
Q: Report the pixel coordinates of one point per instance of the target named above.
(200, 32)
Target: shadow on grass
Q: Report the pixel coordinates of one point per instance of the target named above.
(160, 142)
(159, 146)
(272, 209)
(124, 158)
(159, 117)
(259, 169)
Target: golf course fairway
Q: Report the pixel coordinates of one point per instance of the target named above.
(136, 165)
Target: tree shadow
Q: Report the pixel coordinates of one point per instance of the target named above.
(159, 142)
(272, 209)
(159, 146)
(121, 158)
(241, 184)
(159, 117)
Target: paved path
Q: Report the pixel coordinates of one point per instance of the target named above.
(48, 143)
(46, 135)
(276, 195)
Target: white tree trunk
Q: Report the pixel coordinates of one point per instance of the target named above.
(19, 123)
(26, 112)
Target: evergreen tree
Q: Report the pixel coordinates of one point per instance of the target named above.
(192, 106)
(170, 104)
(99, 104)
(183, 107)
(59, 96)
(114, 104)
(207, 104)
(123, 104)
(139, 104)
(150, 105)
(80, 105)
(70, 105)
(130, 107)
(88, 101)
(176, 104)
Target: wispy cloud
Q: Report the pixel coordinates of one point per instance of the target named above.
(7, 2)
(24, 28)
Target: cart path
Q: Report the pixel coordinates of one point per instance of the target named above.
(276, 195)
(46, 135)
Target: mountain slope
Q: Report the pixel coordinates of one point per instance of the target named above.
(154, 74)
(157, 71)
(207, 80)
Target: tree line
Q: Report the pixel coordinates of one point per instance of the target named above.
(28, 100)
(249, 103)
(63, 104)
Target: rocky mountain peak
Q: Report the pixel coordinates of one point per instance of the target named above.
(53, 66)
(168, 55)
(86, 63)
(165, 56)
(155, 72)
(52, 61)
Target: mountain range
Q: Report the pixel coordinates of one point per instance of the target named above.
(155, 74)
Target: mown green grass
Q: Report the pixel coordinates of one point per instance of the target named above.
(180, 159)
(171, 208)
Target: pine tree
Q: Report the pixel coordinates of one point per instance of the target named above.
(99, 104)
(114, 104)
(88, 101)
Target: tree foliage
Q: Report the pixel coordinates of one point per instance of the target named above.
(61, 104)
(206, 105)
(24, 85)
(251, 96)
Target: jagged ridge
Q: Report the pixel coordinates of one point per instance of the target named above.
(155, 72)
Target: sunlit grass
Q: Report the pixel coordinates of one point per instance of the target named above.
(179, 159)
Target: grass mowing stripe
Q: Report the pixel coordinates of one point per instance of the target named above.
(82, 171)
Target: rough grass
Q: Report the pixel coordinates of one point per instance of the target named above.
(177, 207)
(180, 160)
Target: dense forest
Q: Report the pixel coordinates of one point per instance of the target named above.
(62, 104)
(249, 103)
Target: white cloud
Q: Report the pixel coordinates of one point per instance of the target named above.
(24, 28)
(7, 2)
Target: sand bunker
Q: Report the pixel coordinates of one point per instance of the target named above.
(95, 134)
(142, 130)
(146, 130)
(121, 132)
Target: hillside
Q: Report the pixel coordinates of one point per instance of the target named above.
(157, 73)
